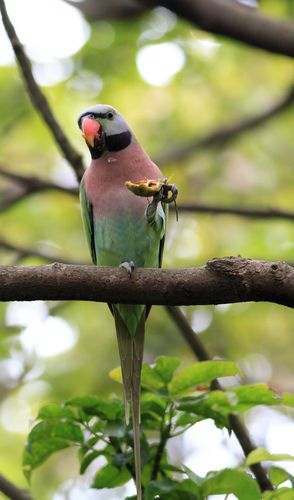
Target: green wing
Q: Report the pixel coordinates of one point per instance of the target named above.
(87, 216)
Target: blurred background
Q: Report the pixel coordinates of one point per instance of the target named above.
(174, 84)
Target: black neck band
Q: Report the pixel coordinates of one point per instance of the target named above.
(118, 141)
(115, 142)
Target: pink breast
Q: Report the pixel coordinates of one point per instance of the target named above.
(105, 181)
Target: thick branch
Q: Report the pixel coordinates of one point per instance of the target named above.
(11, 491)
(222, 135)
(230, 279)
(38, 98)
(235, 21)
(238, 428)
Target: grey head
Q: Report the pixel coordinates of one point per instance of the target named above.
(104, 129)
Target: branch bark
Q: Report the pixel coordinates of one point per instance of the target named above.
(220, 281)
(235, 21)
(12, 491)
(37, 97)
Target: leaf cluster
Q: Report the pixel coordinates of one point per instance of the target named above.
(171, 402)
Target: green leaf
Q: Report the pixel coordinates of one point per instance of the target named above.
(193, 476)
(37, 452)
(89, 458)
(287, 399)
(93, 405)
(279, 494)
(110, 477)
(185, 419)
(248, 396)
(278, 475)
(215, 405)
(54, 410)
(234, 400)
(241, 484)
(201, 373)
(151, 379)
(165, 366)
(169, 489)
(116, 375)
(262, 455)
(49, 436)
(55, 428)
(152, 403)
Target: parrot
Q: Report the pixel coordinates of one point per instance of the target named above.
(122, 229)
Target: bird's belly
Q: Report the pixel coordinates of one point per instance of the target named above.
(125, 238)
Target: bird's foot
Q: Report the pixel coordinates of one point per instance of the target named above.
(129, 267)
(167, 194)
(159, 189)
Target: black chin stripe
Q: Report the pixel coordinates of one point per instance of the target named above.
(95, 152)
(118, 141)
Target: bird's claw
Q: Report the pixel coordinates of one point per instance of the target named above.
(129, 267)
(159, 189)
(165, 191)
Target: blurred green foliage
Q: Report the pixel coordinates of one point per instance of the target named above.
(171, 403)
(228, 83)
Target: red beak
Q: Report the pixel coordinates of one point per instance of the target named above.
(90, 128)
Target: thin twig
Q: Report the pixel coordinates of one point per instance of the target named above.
(24, 252)
(164, 437)
(254, 213)
(12, 491)
(38, 98)
(202, 354)
(34, 183)
(226, 133)
(27, 185)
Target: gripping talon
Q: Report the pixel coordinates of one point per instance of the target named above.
(129, 267)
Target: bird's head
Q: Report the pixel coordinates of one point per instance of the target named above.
(104, 129)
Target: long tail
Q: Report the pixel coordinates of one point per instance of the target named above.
(131, 355)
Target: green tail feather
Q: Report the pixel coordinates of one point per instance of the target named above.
(131, 355)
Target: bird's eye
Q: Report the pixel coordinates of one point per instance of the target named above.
(110, 115)
(91, 115)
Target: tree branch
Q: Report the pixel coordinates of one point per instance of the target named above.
(28, 185)
(38, 98)
(235, 21)
(29, 252)
(222, 135)
(11, 491)
(254, 213)
(33, 184)
(220, 281)
(238, 428)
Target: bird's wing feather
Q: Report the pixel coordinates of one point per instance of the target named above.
(87, 215)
